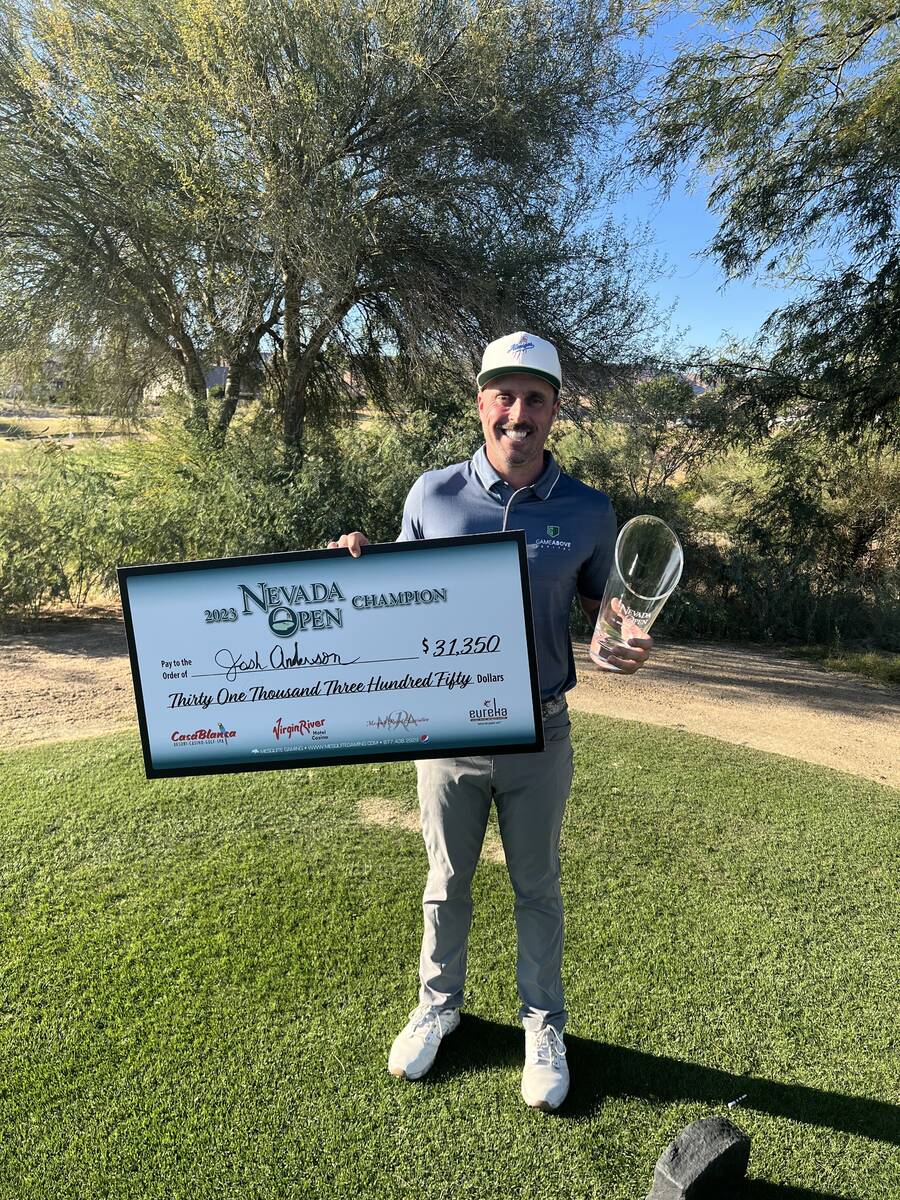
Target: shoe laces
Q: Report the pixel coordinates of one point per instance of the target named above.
(425, 1023)
(546, 1047)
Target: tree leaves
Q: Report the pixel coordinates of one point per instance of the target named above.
(792, 110)
(308, 180)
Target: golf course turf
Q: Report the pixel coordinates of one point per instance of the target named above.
(200, 979)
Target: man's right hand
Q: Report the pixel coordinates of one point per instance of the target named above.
(353, 542)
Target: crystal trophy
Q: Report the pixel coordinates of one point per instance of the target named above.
(647, 565)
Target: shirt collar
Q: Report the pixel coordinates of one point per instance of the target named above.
(542, 486)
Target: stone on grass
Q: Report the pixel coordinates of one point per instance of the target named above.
(707, 1161)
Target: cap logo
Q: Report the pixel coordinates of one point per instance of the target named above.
(553, 531)
(519, 349)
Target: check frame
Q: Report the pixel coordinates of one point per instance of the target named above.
(362, 754)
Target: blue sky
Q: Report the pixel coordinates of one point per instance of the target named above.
(708, 308)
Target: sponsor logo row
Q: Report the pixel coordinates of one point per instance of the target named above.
(315, 729)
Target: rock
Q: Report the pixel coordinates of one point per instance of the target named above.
(707, 1161)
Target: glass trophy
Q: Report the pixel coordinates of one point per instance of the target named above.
(646, 567)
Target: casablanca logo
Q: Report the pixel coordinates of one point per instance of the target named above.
(283, 621)
(520, 348)
(203, 737)
(552, 531)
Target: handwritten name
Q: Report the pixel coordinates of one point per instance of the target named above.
(279, 659)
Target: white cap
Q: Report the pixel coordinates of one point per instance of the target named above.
(520, 352)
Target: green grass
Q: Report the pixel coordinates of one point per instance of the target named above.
(200, 979)
(24, 436)
(882, 665)
(20, 459)
(59, 425)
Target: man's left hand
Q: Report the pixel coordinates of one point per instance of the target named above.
(633, 656)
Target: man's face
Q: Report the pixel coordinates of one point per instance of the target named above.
(516, 413)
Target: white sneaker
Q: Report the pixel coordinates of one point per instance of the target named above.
(416, 1046)
(545, 1080)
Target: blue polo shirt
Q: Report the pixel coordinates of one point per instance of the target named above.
(570, 530)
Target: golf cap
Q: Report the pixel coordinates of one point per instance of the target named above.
(520, 353)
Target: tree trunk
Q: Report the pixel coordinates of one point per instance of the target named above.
(195, 382)
(199, 417)
(294, 397)
(294, 411)
(299, 361)
(233, 379)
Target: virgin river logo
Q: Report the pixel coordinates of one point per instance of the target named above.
(286, 617)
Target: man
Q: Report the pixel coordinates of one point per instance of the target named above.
(512, 482)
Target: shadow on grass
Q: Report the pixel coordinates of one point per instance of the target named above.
(600, 1070)
(758, 1189)
(478, 1045)
(604, 1070)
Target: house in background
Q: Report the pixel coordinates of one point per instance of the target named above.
(45, 384)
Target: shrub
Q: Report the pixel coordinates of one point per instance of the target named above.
(175, 496)
(30, 574)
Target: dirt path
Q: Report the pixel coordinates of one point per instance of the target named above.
(71, 679)
(754, 696)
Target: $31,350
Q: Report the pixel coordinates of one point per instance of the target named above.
(441, 647)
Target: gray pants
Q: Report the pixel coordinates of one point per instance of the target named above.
(530, 792)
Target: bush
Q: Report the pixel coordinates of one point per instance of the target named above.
(59, 529)
(30, 574)
(797, 542)
(175, 497)
(739, 594)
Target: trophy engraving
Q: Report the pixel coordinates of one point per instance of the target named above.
(646, 567)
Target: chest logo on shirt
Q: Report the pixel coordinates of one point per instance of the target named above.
(552, 541)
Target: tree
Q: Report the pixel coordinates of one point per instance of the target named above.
(824, 505)
(646, 439)
(668, 432)
(792, 110)
(332, 181)
(109, 233)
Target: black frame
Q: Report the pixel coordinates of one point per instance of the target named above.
(246, 560)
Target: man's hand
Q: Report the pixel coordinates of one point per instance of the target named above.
(633, 656)
(353, 542)
(624, 661)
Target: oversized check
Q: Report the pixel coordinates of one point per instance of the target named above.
(414, 650)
